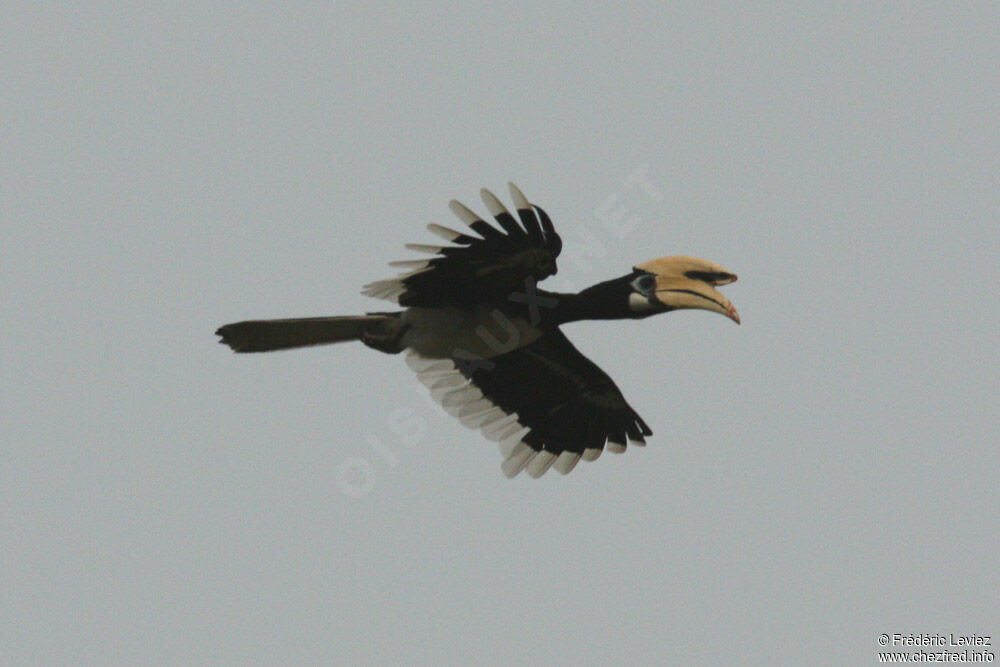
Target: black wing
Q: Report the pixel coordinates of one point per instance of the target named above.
(546, 403)
(478, 269)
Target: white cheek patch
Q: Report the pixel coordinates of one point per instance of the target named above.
(637, 303)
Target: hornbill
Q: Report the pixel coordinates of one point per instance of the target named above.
(487, 341)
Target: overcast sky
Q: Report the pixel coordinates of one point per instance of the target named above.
(820, 475)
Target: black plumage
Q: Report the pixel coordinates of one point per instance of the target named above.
(569, 403)
(488, 343)
(481, 269)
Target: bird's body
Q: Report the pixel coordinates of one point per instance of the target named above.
(488, 343)
(480, 331)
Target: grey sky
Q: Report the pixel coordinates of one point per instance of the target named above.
(820, 475)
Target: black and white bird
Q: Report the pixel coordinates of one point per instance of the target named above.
(487, 342)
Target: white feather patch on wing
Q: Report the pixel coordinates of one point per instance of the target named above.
(501, 428)
(418, 363)
(566, 462)
(444, 387)
(492, 203)
(473, 414)
(463, 213)
(615, 447)
(508, 444)
(430, 378)
(446, 382)
(464, 400)
(477, 407)
(540, 463)
(520, 201)
(493, 416)
(439, 366)
(483, 418)
(423, 247)
(391, 288)
(409, 263)
(449, 388)
(462, 397)
(458, 399)
(519, 458)
(447, 233)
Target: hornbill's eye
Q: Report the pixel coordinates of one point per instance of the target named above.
(644, 284)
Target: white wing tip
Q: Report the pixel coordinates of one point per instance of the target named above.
(446, 233)
(566, 462)
(423, 247)
(519, 458)
(520, 201)
(384, 289)
(462, 212)
(494, 205)
(540, 463)
(410, 263)
(615, 447)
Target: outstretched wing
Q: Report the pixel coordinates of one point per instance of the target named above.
(477, 269)
(546, 404)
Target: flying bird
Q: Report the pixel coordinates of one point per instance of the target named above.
(487, 341)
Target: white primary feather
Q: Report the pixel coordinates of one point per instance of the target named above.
(477, 407)
(520, 201)
(615, 447)
(423, 247)
(462, 397)
(494, 417)
(464, 400)
(384, 289)
(508, 444)
(492, 203)
(462, 212)
(501, 428)
(566, 462)
(473, 414)
(447, 381)
(433, 374)
(391, 288)
(418, 363)
(540, 463)
(446, 233)
(409, 263)
(480, 419)
(519, 458)
(442, 392)
(430, 378)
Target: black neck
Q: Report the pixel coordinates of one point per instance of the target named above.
(603, 301)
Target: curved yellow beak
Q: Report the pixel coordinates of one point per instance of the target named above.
(689, 282)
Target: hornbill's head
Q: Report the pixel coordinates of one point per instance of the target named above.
(671, 283)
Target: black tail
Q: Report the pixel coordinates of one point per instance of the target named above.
(268, 335)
